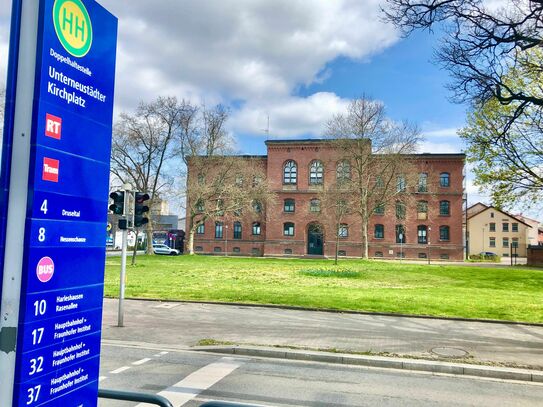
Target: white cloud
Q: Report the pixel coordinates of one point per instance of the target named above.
(441, 133)
(290, 117)
(433, 147)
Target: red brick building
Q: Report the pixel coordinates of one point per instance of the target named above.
(294, 226)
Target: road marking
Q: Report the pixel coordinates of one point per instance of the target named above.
(198, 381)
(120, 370)
(102, 378)
(141, 362)
(160, 354)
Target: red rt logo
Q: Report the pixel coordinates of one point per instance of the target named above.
(50, 169)
(53, 126)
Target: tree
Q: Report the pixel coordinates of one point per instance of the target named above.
(377, 161)
(224, 187)
(510, 164)
(143, 146)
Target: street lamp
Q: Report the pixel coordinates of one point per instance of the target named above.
(429, 229)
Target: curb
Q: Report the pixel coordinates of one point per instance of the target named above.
(337, 311)
(420, 365)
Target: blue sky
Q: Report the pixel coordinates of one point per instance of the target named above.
(297, 61)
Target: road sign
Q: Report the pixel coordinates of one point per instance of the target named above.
(56, 270)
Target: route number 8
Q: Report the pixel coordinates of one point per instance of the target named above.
(41, 234)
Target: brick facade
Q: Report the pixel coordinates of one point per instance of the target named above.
(273, 242)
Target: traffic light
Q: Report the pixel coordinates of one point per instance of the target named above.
(118, 202)
(140, 209)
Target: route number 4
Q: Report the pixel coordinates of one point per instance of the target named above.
(43, 207)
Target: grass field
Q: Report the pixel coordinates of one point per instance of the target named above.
(459, 291)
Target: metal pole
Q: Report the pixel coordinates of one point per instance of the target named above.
(120, 316)
(429, 253)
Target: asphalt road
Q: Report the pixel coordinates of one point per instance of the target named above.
(189, 378)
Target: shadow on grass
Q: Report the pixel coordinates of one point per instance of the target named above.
(338, 273)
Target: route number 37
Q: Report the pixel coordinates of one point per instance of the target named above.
(33, 393)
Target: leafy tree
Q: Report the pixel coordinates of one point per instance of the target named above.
(509, 164)
(378, 154)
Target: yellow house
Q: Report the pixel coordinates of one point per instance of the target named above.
(496, 231)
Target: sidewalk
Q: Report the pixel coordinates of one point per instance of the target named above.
(184, 324)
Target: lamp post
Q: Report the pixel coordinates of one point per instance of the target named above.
(429, 253)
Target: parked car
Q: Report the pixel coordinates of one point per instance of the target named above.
(163, 249)
(488, 255)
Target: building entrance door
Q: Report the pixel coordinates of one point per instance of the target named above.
(314, 240)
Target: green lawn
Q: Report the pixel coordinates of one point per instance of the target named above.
(460, 291)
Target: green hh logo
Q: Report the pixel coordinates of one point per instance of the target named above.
(73, 26)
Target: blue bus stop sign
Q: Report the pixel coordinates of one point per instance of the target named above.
(64, 165)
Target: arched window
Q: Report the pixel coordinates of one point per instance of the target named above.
(445, 179)
(316, 172)
(379, 231)
(444, 208)
(256, 228)
(422, 206)
(423, 182)
(401, 184)
(288, 229)
(237, 230)
(400, 234)
(343, 230)
(379, 209)
(290, 173)
(289, 205)
(257, 207)
(422, 234)
(315, 205)
(218, 230)
(444, 233)
(343, 171)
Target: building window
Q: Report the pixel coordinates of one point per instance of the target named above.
(257, 207)
(514, 243)
(379, 182)
(257, 180)
(378, 254)
(422, 255)
(236, 250)
(218, 230)
(505, 227)
(444, 208)
(316, 172)
(514, 227)
(491, 214)
(342, 253)
(400, 183)
(256, 228)
(422, 234)
(255, 251)
(444, 256)
(201, 229)
(379, 209)
(315, 205)
(379, 231)
(343, 230)
(343, 171)
(505, 242)
(220, 207)
(287, 251)
(422, 210)
(400, 210)
(288, 229)
(200, 207)
(400, 255)
(289, 205)
(400, 234)
(198, 249)
(217, 249)
(423, 182)
(201, 179)
(492, 227)
(290, 173)
(237, 230)
(445, 179)
(492, 241)
(444, 233)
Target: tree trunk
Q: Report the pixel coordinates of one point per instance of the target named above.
(149, 232)
(365, 238)
(190, 247)
(337, 244)
(135, 248)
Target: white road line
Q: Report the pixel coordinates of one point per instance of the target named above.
(141, 362)
(120, 370)
(196, 382)
(160, 354)
(102, 378)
